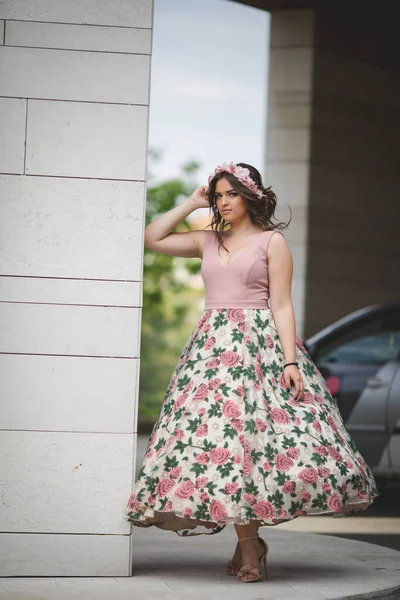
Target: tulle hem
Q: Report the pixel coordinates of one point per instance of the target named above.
(184, 526)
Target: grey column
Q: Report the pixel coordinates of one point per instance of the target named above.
(332, 155)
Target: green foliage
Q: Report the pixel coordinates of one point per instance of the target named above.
(169, 305)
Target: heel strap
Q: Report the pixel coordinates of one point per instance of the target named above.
(250, 537)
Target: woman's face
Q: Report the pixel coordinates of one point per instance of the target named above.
(229, 202)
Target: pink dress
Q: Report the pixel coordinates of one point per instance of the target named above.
(230, 443)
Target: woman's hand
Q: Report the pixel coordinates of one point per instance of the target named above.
(292, 374)
(199, 197)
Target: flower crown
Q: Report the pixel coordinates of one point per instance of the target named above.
(241, 173)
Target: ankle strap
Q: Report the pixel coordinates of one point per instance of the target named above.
(250, 537)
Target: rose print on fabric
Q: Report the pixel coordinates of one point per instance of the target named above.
(231, 444)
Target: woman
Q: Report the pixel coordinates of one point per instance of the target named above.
(248, 433)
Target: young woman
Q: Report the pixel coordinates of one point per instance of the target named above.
(248, 433)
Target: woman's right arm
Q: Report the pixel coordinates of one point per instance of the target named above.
(158, 236)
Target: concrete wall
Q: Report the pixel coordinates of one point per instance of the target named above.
(333, 131)
(74, 96)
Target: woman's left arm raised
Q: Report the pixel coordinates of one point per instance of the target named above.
(280, 273)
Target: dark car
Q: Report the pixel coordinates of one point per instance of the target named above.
(359, 357)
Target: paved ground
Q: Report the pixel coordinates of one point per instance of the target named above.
(302, 565)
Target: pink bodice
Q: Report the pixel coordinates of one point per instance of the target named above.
(243, 283)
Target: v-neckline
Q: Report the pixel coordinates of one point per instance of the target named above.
(240, 251)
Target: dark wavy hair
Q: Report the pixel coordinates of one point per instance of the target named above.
(261, 210)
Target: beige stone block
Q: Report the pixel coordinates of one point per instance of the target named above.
(67, 482)
(78, 37)
(12, 128)
(72, 229)
(125, 13)
(71, 291)
(291, 69)
(68, 393)
(74, 75)
(289, 144)
(80, 139)
(281, 116)
(290, 182)
(58, 555)
(69, 330)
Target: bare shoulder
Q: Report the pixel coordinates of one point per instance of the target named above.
(278, 246)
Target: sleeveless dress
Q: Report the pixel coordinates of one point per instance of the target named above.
(230, 443)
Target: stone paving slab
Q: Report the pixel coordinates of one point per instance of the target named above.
(301, 566)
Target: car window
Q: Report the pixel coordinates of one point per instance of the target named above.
(374, 349)
(375, 340)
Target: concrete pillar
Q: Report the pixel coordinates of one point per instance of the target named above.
(74, 95)
(333, 157)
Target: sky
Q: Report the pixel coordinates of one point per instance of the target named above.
(208, 85)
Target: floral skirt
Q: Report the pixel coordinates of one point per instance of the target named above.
(232, 445)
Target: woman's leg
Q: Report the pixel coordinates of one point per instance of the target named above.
(251, 549)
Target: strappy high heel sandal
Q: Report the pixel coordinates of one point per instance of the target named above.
(250, 569)
(231, 568)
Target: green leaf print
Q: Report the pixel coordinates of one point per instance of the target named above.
(193, 424)
(260, 323)
(236, 496)
(250, 373)
(170, 463)
(299, 432)
(256, 456)
(180, 446)
(225, 469)
(275, 369)
(252, 348)
(250, 426)
(250, 409)
(202, 512)
(160, 444)
(182, 382)
(237, 336)
(318, 459)
(308, 369)
(236, 372)
(333, 481)
(224, 389)
(269, 452)
(220, 321)
(319, 502)
(229, 432)
(308, 418)
(141, 473)
(211, 488)
(198, 469)
(140, 494)
(289, 443)
(214, 410)
(294, 507)
(210, 373)
(281, 478)
(208, 445)
(277, 499)
(357, 482)
(251, 488)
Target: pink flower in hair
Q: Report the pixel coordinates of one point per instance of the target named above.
(241, 173)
